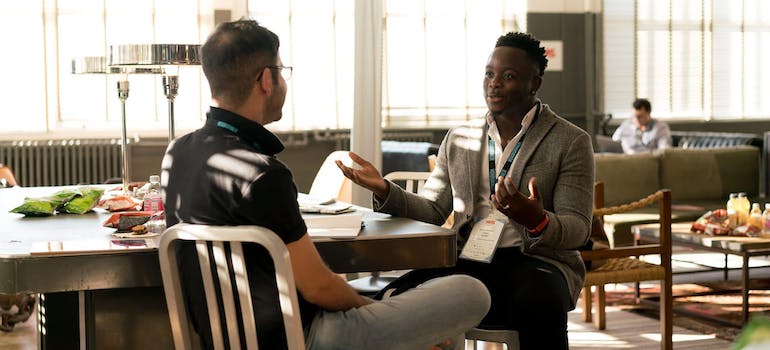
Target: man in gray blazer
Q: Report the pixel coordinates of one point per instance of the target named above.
(520, 185)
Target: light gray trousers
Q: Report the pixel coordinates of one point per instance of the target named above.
(439, 309)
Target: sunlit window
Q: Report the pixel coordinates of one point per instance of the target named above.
(691, 58)
(43, 95)
(433, 55)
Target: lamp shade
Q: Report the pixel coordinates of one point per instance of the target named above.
(154, 54)
(97, 65)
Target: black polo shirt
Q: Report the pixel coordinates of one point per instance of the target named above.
(226, 173)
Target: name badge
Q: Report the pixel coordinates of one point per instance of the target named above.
(483, 239)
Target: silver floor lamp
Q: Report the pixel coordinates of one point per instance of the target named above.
(96, 65)
(162, 56)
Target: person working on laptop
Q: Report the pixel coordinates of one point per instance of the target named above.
(226, 173)
(642, 133)
(520, 184)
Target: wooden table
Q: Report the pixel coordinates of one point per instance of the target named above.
(115, 297)
(746, 247)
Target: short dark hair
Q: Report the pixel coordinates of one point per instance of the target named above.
(529, 44)
(642, 103)
(234, 54)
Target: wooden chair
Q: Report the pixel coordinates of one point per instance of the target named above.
(6, 177)
(229, 278)
(623, 265)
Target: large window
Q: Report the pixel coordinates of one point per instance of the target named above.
(39, 92)
(692, 58)
(433, 56)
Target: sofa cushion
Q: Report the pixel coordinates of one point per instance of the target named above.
(627, 178)
(709, 174)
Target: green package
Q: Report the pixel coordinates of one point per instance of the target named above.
(36, 207)
(45, 206)
(83, 203)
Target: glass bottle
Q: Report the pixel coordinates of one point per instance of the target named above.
(766, 220)
(153, 200)
(743, 207)
(755, 217)
(732, 211)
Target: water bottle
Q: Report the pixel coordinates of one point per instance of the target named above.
(152, 200)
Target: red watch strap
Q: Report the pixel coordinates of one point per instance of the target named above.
(541, 226)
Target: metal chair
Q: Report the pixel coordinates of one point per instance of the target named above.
(504, 336)
(218, 238)
(623, 265)
(412, 181)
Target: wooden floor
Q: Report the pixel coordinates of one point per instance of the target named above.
(625, 330)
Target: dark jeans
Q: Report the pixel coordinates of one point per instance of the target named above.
(528, 295)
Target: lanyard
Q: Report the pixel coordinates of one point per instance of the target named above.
(229, 127)
(507, 165)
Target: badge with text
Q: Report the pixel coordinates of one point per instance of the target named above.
(483, 240)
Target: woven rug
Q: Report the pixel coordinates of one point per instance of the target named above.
(720, 299)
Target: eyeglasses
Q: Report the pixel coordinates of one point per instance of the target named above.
(285, 72)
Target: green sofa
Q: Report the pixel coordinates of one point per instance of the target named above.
(699, 180)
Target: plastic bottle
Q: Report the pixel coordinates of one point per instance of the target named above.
(743, 207)
(732, 212)
(755, 217)
(766, 220)
(153, 201)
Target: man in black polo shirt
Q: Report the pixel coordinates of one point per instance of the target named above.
(226, 173)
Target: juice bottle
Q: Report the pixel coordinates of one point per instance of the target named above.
(755, 217)
(743, 207)
(766, 220)
(732, 212)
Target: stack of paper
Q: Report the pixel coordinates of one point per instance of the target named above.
(308, 204)
(342, 225)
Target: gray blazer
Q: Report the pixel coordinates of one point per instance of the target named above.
(555, 151)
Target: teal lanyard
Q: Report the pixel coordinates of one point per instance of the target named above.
(509, 162)
(231, 128)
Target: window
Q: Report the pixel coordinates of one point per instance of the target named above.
(41, 94)
(317, 40)
(435, 52)
(691, 58)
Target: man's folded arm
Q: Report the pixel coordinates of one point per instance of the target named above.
(317, 283)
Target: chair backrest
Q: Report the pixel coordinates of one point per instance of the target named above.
(329, 182)
(229, 282)
(605, 144)
(413, 180)
(7, 174)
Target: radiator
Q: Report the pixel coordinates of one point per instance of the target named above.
(62, 162)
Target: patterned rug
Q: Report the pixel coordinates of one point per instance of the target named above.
(720, 300)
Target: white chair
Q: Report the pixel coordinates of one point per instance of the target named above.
(413, 182)
(218, 237)
(329, 181)
(508, 337)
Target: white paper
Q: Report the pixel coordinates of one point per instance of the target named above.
(342, 225)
